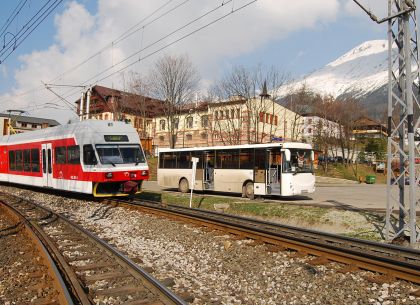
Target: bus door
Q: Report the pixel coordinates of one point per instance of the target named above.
(47, 164)
(273, 172)
(208, 170)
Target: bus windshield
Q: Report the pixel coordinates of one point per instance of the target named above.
(120, 154)
(300, 161)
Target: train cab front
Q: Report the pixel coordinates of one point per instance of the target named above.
(122, 169)
(120, 183)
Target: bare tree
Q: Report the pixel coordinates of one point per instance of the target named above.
(173, 80)
(248, 84)
(140, 91)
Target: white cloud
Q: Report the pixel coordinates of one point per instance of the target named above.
(80, 34)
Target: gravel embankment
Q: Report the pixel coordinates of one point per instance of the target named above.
(23, 275)
(217, 269)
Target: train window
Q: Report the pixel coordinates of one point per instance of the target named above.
(131, 154)
(27, 160)
(12, 160)
(73, 154)
(49, 161)
(60, 155)
(44, 162)
(19, 159)
(35, 160)
(246, 158)
(89, 157)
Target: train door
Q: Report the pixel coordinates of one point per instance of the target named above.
(274, 172)
(209, 170)
(47, 164)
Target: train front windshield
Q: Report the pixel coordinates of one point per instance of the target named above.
(120, 154)
(300, 161)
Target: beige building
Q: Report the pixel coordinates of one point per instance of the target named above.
(10, 123)
(237, 121)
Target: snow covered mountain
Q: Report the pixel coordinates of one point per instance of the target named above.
(361, 73)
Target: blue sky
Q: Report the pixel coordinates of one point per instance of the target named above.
(297, 37)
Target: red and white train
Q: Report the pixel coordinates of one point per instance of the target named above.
(103, 158)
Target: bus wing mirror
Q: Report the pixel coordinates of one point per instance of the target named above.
(287, 154)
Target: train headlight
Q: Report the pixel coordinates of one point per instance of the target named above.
(133, 175)
(144, 173)
(109, 175)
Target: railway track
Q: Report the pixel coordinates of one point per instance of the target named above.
(95, 272)
(32, 274)
(389, 260)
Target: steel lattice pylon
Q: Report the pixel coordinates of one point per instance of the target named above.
(403, 175)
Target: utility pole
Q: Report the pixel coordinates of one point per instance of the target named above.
(403, 119)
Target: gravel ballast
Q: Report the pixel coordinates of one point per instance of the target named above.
(218, 269)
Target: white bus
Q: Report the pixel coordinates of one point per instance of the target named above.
(282, 169)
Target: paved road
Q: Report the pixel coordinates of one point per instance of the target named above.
(363, 196)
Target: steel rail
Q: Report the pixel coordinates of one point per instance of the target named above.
(64, 295)
(392, 260)
(134, 269)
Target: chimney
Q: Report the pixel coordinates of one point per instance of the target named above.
(82, 100)
(88, 102)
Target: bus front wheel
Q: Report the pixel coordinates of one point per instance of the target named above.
(183, 186)
(249, 190)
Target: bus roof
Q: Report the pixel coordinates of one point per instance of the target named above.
(267, 145)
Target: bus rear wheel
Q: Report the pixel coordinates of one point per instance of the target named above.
(183, 186)
(249, 190)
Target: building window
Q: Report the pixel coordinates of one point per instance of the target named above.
(162, 124)
(204, 136)
(232, 113)
(238, 113)
(216, 115)
(23, 124)
(275, 120)
(267, 116)
(161, 138)
(309, 130)
(176, 123)
(34, 126)
(262, 117)
(227, 114)
(189, 122)
(271, 119)
(204, 121)
(189, 137)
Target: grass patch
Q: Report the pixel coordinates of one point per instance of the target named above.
(238, 206)
(350, 172)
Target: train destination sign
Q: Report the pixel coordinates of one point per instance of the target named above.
(116, 138)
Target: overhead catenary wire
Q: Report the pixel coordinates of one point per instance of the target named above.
(29, 28)
(124, 36)
(120, 38)
(12, 17)
(94, 79)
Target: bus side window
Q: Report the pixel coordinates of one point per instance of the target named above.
(89, 157)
